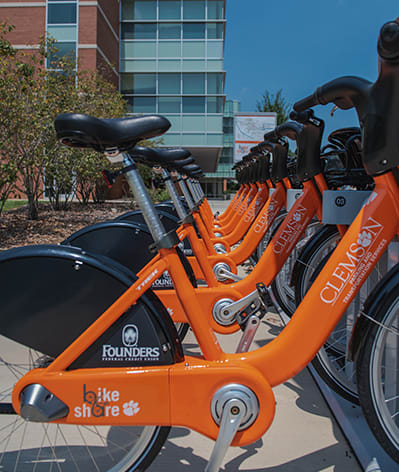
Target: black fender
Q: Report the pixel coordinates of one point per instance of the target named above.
(51, 294)
(169, 220)
(376, 298)
(128, 243)
(308, 250)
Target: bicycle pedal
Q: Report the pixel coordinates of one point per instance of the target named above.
(264, 295)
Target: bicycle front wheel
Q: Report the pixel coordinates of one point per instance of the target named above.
(378, 373)
(39, 447)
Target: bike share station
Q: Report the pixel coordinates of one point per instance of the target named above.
(112, 358)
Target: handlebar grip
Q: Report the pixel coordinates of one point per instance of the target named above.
(307, 102)
(301, 116)
(270, 136)
(388, 41)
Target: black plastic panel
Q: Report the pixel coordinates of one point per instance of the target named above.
(51, 294)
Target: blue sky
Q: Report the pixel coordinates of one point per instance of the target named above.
(297, 45)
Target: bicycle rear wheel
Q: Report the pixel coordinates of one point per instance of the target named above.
(37, 447)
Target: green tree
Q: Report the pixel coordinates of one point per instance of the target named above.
(8, 169)
(25, 120)
(274, 103)
(31, 96)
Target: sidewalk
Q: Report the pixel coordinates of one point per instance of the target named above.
(304, 436)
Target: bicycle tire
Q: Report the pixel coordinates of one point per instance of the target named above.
(377, 364)
(331, 362)
(282, 287)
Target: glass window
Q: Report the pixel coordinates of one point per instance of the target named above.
(193, 30)
(214, 104)
(215, 83)
(193, 83)
(192, 139)
(135, 49)
(214, 49)
(214, 65)
(169, 30)
(169, 104)
(126, 83)
(62, 33)
(193, 9)
(63, 49)
(171, 139)
(169, 10)
(174, 121)
(61, 13)
(215, 9)
(193, 123)
(144, 84)
(127, 30)
(193, 104)
(127, 12)
(169, 49)
(194, 49)
(144, 31)
(215, 30)
(138, 65)
(168, 84)
(145, 10)
(169, 65)
(214, 139)
(193, 65)
(144, 104)
(214, 124)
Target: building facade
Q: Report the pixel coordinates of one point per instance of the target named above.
(217, 184)
(166, 56)
(172, 63)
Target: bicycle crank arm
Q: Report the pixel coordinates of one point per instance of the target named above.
(252, 325)
(225, 310)
(233, 412)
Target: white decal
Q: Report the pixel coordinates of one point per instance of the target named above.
(358, 260)
(131, 408)
(142, 285)
(103, 402)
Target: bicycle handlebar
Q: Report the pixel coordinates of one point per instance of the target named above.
(345, 92)
(289, 129)
(388, 41)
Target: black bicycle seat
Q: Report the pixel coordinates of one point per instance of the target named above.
(191, 170)
(84, 131)
(159, 156)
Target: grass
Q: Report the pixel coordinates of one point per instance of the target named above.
(10, 204)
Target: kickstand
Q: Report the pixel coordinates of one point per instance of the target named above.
(233, 411)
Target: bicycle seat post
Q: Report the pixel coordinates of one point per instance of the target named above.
(186, 193)
(174, 195)
(194, 191)
(143, 199)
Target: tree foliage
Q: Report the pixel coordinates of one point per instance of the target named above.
(274, 103)
(31, 96)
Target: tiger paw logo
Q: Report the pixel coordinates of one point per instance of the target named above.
(131, 408)
(297, 216)
(364, 239)
(130, 335)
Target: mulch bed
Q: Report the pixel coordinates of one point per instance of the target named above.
(52, 227)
